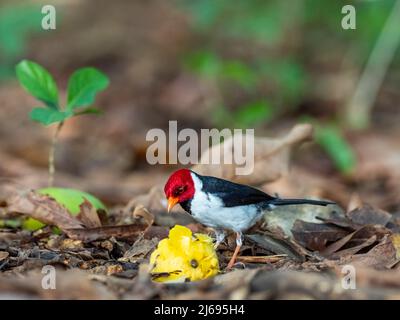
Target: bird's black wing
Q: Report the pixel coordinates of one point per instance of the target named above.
(233, 194)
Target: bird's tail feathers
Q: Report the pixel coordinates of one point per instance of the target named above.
(284, 202)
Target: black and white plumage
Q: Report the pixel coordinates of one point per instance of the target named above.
(221, 204)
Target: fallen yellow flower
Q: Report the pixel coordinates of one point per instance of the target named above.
(184, 256)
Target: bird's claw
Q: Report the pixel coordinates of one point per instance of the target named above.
(216, 244)
(219, 238)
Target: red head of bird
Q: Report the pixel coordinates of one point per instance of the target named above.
(179, 187)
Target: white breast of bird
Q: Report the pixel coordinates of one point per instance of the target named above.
(210, 211)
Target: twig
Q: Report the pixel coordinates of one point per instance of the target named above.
(261, 259)
(51, 154)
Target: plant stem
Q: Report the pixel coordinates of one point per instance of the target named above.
(52, 152)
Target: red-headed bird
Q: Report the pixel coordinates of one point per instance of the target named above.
(221, 204)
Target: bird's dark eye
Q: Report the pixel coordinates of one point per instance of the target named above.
(179, 190)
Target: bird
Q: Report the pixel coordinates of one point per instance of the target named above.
(223, 205)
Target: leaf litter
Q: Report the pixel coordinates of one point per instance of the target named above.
(294, 252)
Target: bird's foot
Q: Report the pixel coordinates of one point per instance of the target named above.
(219, 238)
(237, 249)
(216, 244)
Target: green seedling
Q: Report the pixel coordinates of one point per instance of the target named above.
(83, 85)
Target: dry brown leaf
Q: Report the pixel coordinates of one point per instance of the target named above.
(369, 215)
(50, 212)
(141, 211)
(355, 241)
(271, 157)
(353, 250)
(3, 255)
(382, 256)
(152, 201)
(332, 248)
(369, 230)
(315, 236)
(45, 209)
(355, 202)
(139, 250)
(88, 215)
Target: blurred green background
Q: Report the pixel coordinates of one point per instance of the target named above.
(243, 64)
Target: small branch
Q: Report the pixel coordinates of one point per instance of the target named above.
(261, 259)
(52, 153)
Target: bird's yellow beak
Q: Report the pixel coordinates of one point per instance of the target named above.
(171, 203)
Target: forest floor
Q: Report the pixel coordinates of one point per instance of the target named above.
(296, 252)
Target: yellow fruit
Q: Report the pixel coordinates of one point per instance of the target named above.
(184, 257)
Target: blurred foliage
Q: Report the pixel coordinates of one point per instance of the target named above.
(249, 115)
(10, 223)
(252, 22)
(264, 28)
(254, 19)
(371, 16)
(16, 24)
(253, 113)
(266, 51)
(263, 56)
(335, 145)
(330, 137)
(208, 64)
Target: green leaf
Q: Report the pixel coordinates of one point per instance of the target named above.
(38, 82)
(49, 116)
(32, 224)
(83, 86)
(341, 153)
(240, 72)
(204, 63)
(71, 199)
(89, 111)
(253, 113)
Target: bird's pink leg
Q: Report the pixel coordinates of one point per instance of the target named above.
(237, 249)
